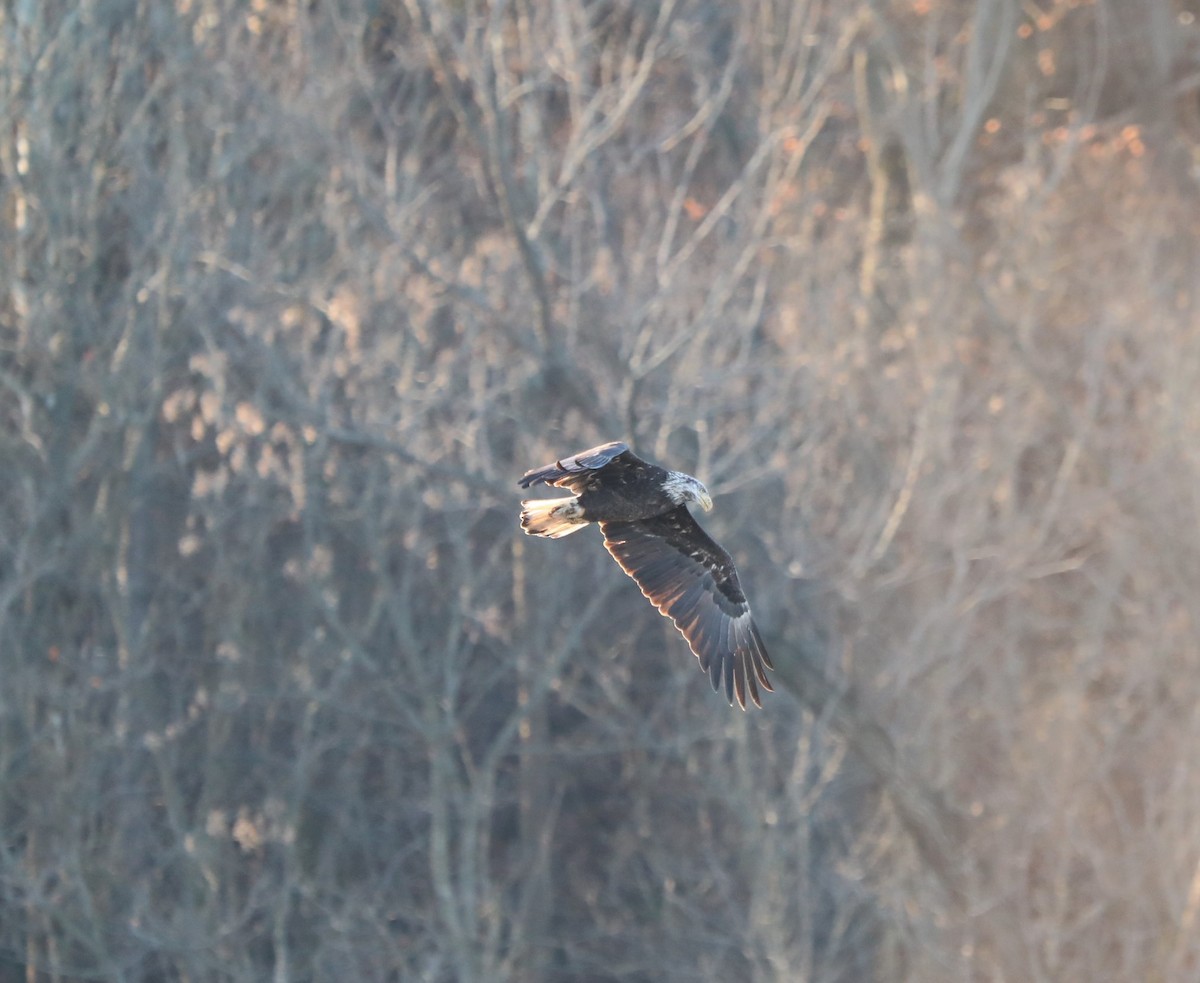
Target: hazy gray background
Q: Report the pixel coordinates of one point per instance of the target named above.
(294, 291)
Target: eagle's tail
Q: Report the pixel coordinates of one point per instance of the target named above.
(552, 517)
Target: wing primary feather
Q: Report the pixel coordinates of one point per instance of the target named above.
(761, 661)
(727, 660)
(738, 658)
(753, 688)
(721, 657)
(747, 658)
(720, 645)
(714, 672)
(760, 647)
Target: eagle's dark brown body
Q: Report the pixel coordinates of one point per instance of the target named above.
(642, 511)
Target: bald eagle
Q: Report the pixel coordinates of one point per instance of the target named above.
(643, 512)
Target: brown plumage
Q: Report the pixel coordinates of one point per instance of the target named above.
(642, 511)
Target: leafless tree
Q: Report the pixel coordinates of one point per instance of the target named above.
(293, 293)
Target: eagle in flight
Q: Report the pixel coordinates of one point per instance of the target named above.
(643, 512)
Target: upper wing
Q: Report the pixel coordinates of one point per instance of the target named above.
(691, 580)
(590, 460)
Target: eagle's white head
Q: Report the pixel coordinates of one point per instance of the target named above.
(683, 488)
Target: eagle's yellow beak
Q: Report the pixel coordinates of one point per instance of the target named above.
(706, 501)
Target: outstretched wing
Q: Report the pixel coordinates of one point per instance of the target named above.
(692, 581)
(561, 472)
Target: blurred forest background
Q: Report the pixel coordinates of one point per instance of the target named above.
(294, 291)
